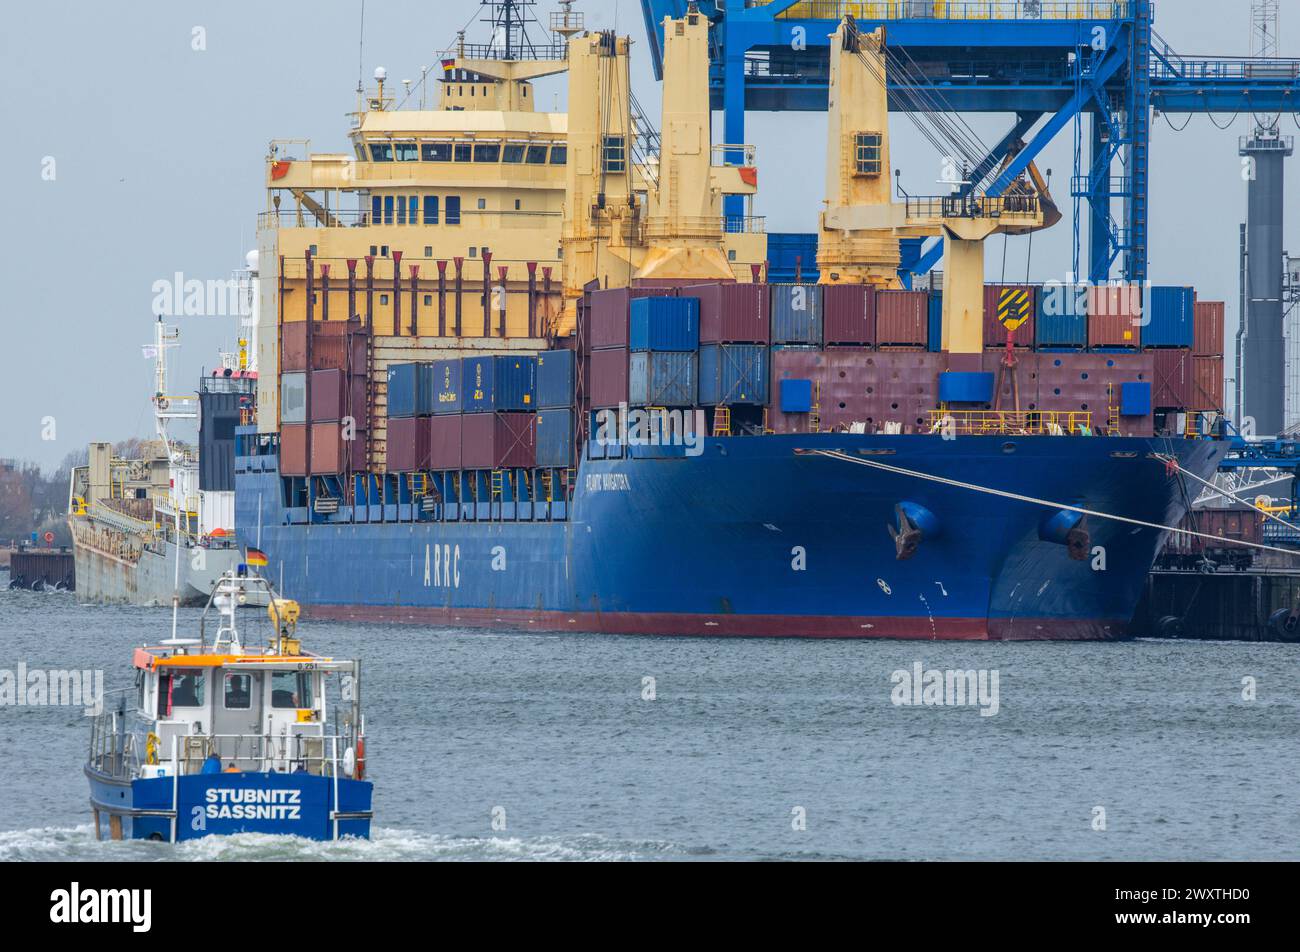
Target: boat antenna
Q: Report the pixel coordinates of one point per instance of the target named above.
(361, 52)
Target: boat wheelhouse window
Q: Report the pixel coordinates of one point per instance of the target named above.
(430, 211)
(453, 209)
(180, 687)
(560, 155)
(464, 152)
(140, 690)
(537, 155)
(291, 689)
(381, 152)
(436, 151)
(401, 210)
(239, 692)
(407, 152)
(615, 154)
(376, 212)
(513, 154)
(487, 152)
(388, 209)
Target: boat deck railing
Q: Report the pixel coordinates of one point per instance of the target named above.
(956, 9)
(114, 749)
(1011, 423)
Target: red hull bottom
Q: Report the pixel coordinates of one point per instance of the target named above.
(736, 626)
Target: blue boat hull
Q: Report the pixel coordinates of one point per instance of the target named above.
(764, 536)
(295, 804)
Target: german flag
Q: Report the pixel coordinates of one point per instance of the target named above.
(448, 65)
(256, 557)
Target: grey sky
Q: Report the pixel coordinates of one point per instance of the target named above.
(159, 153)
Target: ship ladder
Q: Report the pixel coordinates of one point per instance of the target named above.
(498, 484)
(1112, 411)
(815, 414)
(548, 490)
(722, 421)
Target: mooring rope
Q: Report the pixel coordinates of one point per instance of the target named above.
(1045, 503)
(1223, 492)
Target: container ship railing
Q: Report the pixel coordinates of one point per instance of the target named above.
(1012, 423)
(956, 9)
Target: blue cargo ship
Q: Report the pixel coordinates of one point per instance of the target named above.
(777, 535)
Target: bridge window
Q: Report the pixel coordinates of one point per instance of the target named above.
(464, 152)
(513, 154)
(401, 210)
(291, 689)
(868, 153)
(430, 210)
(453, 209)
(407, 151)
(239, 692)
(436, 151)
(376, 212)
(381, 152)
(181, 688)
(388, 209)
(487, 152)
(537, 155)
(615, 154)
(413, 209)
(560, 155)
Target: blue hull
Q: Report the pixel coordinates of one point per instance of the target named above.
(224, 804)
(758, 537)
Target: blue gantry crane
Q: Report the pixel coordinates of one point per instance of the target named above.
(1053, 60)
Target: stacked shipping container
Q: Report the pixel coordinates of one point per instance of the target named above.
(324, 398)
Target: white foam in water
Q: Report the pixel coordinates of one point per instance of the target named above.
(53, 844)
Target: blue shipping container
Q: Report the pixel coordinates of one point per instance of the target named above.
(499, 384)
(936, 322)
(404, 390)
(555, 437)
(662, 379)
(796, 314)
(555, 379)
(733, 374)
(664, 323)
(447, 395)
(1062, 317)
(796, 396)
(1170, 316)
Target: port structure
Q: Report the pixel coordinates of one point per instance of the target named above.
(1049, 62)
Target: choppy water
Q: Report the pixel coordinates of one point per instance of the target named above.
(553, 729)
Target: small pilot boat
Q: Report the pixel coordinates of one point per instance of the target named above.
(230, 732)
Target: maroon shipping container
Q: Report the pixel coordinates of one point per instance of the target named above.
(609, 314)
(1115, 316)
(331, 454)
(293, 449)
(329, 396)
(903, 317)
(330, 345)
(609, 378)
(1016, 301)
(849, 314)
(498, 440)
(1242, 525)
(857, 385)
(1207, 383)
(733, 313)
(408, 444)
(293, 347)
(1208, 329)
(444, 441)
(1172, 387)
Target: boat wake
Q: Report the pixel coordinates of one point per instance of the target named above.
(54, 844)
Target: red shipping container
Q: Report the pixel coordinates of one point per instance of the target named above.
(328, 396)
(903, 317)
(1207, 383)
(1208, 328)
(293, 347)
(1115, 315)
(1016, 302)
(330, 345)
(445, 440)
(609, 378)
(408, 444)
(1173, 387)
(849, 314)
(293, 449)
(330, 452)
(733, 313)
(498, 440)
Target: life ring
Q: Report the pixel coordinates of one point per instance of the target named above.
(151, 749)
(361, 759)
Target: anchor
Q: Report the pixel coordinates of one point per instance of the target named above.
(907, 537)
(1079, 541)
